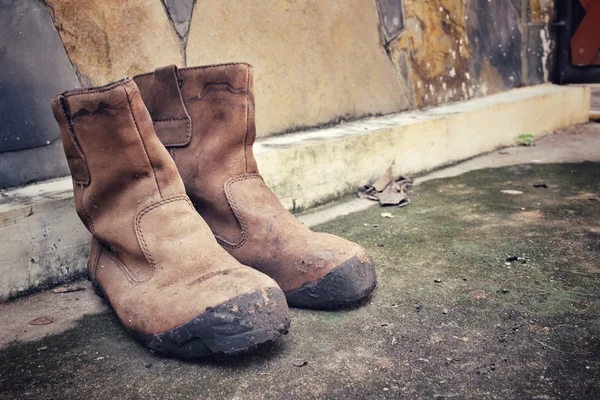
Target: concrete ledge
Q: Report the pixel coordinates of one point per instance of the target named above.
(44, 243)
(42, 240)
(307, 168)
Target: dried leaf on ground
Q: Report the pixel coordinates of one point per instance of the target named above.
(387, 190)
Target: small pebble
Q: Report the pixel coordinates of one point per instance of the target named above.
(437, 280)
(445, 311)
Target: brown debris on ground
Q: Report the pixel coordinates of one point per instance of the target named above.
(387, 190)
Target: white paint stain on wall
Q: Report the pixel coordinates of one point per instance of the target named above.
(546, 50)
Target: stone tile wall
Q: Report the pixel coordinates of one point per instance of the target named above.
(316, 62)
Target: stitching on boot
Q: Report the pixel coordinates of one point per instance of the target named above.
(126, 271)
(188, 135)
(142, 140)
(140, 235)
(63, 107)
(247, 118)
(88, 220)
(200, 67)
(168, 119)
(236, 210)
(214, 66)
(101, 89)
(115, 259)
(94, 266)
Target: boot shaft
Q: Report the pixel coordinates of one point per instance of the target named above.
(209, 108)
(205, 117)
(112, 150)
(118, 165)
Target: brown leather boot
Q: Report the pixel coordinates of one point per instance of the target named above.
(153, 257)
(205, 117)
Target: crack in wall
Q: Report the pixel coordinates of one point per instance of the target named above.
(176, 25)
(84, 81)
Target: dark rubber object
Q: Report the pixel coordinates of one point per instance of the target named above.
(236, 326)
(347, 284)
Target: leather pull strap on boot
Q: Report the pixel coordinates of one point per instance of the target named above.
(153, 257)
(214, 157)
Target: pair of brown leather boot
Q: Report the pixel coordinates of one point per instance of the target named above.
(213, 272)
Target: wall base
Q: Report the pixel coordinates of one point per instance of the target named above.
(44, 243)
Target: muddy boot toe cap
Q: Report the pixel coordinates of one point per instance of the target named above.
(235, 326)
(347, 284)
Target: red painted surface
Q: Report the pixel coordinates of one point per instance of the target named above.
(586, 40)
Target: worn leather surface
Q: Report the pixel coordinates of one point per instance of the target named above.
(153, 255)
(222, 179)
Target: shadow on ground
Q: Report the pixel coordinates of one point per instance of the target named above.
(482, 294)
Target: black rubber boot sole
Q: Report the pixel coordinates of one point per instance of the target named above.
(344, 286)
(233, 327)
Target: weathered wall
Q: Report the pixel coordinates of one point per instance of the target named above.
(459, 49)
(316, 62)
(33, 67)
(107, 40)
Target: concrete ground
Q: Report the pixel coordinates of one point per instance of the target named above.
(488, 288)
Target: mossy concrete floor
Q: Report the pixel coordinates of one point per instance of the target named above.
(482, 294)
